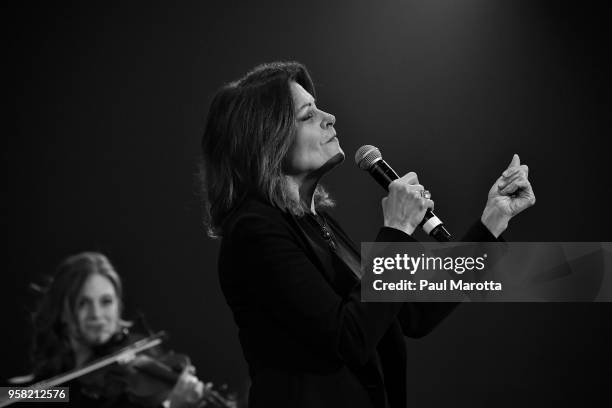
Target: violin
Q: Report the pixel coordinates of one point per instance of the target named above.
(135, 368)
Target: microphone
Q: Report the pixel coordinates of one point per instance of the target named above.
(369, 158)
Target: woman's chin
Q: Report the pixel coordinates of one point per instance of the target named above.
(97, 338)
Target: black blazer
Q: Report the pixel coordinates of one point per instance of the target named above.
(308, 339)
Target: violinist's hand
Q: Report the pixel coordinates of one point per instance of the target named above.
(188, 390)
(404, 207)
(511, 194)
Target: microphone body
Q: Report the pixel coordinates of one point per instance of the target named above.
(384, 175)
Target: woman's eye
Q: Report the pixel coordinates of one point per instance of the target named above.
(107, 301)
(82, 304)
(308, 116)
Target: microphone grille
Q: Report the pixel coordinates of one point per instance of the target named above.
(366, 156)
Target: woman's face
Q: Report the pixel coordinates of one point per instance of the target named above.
(316, 146)
(97, 310)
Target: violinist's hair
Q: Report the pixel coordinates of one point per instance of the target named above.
(51, 348)
(249, 129)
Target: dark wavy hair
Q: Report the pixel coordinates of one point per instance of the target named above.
(249, 129)
(51, 350)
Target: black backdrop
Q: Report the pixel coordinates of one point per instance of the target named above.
(109, 107)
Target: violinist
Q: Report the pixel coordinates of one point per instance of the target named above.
(77, 320)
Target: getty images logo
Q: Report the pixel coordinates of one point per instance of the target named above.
(411, 264)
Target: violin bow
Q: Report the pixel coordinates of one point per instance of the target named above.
(125, 354)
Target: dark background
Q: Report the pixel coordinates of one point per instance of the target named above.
(101, 146)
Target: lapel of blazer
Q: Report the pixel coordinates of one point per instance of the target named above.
(322, 257)
(320, 254)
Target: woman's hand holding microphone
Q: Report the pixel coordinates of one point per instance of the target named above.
(404, 207)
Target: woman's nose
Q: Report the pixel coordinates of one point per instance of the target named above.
(328, 120)
(95, 312)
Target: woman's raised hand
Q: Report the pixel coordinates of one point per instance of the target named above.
(510, 194)
(404, 207)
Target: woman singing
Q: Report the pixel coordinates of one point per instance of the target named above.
(288, 271)
(80, 315)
